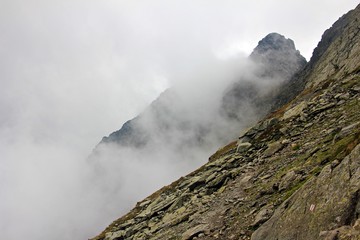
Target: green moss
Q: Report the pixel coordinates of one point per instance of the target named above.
(295, 147)
(296, 165)
(223, 151)
(314, 164)
(174, 238)
(316, 171)
(344, 146)
(329, 137)
(292, 190)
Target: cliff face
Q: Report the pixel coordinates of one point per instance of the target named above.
(294, 175)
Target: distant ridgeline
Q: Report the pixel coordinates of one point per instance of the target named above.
(243, 102)
(293, 175)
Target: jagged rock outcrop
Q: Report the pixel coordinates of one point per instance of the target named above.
(278, 56)
(294, 175)
(278, 61)
(130, 134)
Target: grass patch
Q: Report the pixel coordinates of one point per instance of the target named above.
(223, 151)
(292, 190)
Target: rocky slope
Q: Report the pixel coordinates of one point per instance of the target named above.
(294, 175)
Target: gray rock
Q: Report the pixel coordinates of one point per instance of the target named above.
(321, 109)
(115, 235)
(144, 203)
(348, 129)
(263, 215)
(196, 182)
(243, 147)
(294, 111)
(342, 96)
(192, 232)
(316, 205)
(160, 204)
(345, 131)
(244, 139)
(185, 197)
(288, 180)
(273, 148)
(218, 181)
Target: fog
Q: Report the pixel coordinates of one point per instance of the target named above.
(72, 72)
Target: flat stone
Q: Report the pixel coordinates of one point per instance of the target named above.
(263, 216)
(161, 203)
(295, 111)
(322, 108)
(218, 181)
(268, 123)
(345, 131)
(174, 215)
(244, 139)
(273, 148)
(196, 182)
(144, 203)
(115, 235)
(350, 128)
(192, 232)
(356, 89)
(243, 147)
(185, 197)
(288, 180)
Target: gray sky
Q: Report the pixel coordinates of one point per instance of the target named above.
(74, 71)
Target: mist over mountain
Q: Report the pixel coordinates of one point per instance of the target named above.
(292, 175)
(181, 128)
(277, 61)
(72, 72)
(272, 62)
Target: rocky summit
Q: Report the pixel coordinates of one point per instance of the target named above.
(293, 175)
(277, 60)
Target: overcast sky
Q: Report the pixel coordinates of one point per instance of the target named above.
(72, 72)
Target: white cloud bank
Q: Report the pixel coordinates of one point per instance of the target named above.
(73, 71)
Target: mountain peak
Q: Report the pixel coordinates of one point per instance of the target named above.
(274, 42)
(278, 54)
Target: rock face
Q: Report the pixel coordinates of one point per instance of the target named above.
(294, 175)
(325, 202)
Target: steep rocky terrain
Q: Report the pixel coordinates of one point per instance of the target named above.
(294, 175)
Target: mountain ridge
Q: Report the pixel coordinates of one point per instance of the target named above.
(269, 53)
(293, 175)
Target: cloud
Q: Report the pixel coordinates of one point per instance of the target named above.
(74, 71)
(180, 130)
